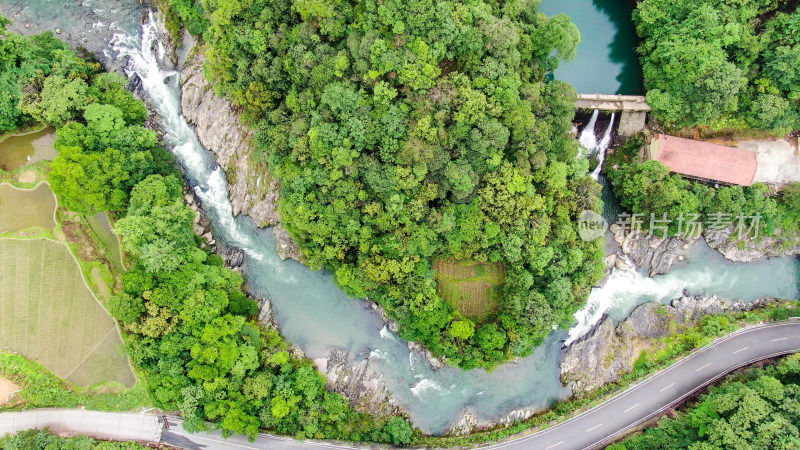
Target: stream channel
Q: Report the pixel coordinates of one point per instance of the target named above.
(311, 311)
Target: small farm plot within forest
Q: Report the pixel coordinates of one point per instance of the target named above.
(47, 313)
(470, 287)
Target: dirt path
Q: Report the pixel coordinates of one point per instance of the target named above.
(6, 388)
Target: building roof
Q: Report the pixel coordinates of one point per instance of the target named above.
(705, 160)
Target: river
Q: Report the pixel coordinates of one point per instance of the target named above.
(606, 60)
(312, 312)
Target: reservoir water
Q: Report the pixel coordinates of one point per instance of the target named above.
(314, 314)
(606, 61)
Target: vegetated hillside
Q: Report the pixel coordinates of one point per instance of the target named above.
(24, 57)
(188, 327)
(722, 63)
(409, 131)
(759, 410)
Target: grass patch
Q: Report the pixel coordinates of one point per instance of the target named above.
(42, 389)
(102, 228)
(473, 288)
(48, 313)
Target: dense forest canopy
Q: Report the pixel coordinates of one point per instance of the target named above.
(24, 57)
(409, 131)
(760, 410)
(189, 329)
(722, 63)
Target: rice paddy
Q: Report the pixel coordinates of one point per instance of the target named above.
(27, 148)
(26, 208)
(473, 288)
(48, 313)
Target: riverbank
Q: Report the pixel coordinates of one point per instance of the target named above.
(317, 317)
(679, 346)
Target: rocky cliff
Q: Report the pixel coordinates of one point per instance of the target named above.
(252, 190)
(655, 254)
(747, 250)
(607, 352)
(365, 388)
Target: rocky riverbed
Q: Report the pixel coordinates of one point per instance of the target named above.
(748, 250)
(253, 191)
(608, 352)
(650, 253)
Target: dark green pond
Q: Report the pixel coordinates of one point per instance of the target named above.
(28, 148)
(606, 61)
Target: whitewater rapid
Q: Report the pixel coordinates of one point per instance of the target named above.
(315, 315)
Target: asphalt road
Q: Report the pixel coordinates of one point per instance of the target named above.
(602, 424)
(592, 429)
(598, 426)
(99, 424)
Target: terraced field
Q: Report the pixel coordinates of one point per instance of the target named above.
(48, 313)
(24, 208)
(470, 287)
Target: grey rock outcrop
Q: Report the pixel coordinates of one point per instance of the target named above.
(287, 248)
(749, 249)
(594, 360)
(464, 425)
(436, 363)
(265, 314)
(469, 422)
(365, 389)
(234, 256)
(650, 251)
(253, 190)
(607, 352)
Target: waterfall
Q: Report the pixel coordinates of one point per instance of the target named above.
(602, 147)
(587, 139)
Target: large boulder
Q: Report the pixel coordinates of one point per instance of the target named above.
(606, 353)
(652, 252)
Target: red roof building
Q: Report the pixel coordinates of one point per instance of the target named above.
(704, 160)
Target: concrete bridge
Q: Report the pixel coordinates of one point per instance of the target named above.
(634, 109)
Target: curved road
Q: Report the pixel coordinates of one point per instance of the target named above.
(592, 429)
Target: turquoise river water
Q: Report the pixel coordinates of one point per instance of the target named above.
(312, 312)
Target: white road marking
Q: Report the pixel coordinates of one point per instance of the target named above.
(698, 370)
(194, 436)
(673, 384)
(740, 350)
(781, 339)
(634, 406)
(594, 427)
(554, 445)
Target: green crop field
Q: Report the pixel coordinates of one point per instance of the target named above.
(48, 313)
(470, 287)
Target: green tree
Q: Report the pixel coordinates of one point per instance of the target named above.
(158, 227)
(89, 182)
(58, 101)
(399, 430)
